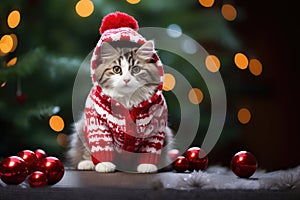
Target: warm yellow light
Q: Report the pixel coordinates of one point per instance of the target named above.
(133, 1)
(15, 42)
(195, 96)
(255, 67)
(241, 61)
(169, 82)
(229, 12)
(207, 3)
(12, 62)
(56, 123)
(62, 140)
(212, 63)
(84, 8)
(13, 19)
(244, 115)
(3, 84)
(6, 44)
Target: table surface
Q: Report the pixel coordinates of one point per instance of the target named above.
(119, 185)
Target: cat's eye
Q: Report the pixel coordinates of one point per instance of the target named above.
(117, 69)
(136, 69)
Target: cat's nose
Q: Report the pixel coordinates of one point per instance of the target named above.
(126, 80)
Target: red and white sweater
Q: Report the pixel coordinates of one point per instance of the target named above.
(110, 127)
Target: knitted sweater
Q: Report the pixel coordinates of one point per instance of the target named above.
(109, 126)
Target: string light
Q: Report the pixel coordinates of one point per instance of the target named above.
(212, 63)
(3, 84)
(6, 44)
(244, 115)
(207, 3)
(241, 61)
(84, 8)
(169, 82)
(15, 42)
(229, 12)
(56, 123)
(195, 96)
(133, 1)
(255, 67)
(12, 62)
(62, 140)
(13, 19)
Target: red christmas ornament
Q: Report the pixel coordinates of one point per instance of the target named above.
(13, 170)
(197, 158)
(173, 154)
(37, 179)
(53, 168)
(30, 159)
(40, 154)
(21, 98)
(243, 164)
(181, 164)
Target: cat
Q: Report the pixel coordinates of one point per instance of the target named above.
(128, 76)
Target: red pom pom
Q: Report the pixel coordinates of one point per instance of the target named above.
(118, 20)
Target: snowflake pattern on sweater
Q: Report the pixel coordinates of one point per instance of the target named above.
(110, 127)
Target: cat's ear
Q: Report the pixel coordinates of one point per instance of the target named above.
(108, 52)
(146, 51)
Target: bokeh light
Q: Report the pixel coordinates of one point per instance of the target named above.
(195, 96)
(133, 1)
(212, 63)
(174, 31)
(207, 3)
(56, 123)
(11, 62)
(169, 82)
(13, 19)
(3, 84)
(15, 42)
(84, 8)
(255, 67)
(244, 115)
(241, 61)
(229, 12)
(62, 140)
(6, 44)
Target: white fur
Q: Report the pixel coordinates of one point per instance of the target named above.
(85, 165)
(105, 167)
(146, 168)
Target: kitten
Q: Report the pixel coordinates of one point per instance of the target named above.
(129, 77)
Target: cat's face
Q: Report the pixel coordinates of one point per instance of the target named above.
(125, 71)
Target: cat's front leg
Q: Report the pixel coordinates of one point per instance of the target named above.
(85, 165)
(105, 167)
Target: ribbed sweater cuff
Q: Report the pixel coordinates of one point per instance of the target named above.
(148, 158)
(102, 156)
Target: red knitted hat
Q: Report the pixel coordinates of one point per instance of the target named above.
(116, 27)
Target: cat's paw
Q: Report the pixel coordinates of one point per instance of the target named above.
(105, 167)
(146, 168)
(85, 165)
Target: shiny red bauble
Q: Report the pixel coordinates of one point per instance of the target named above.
(30, 159)
(243, 164)
(13, 170)
(198, 160)
(53, 168)
(181, 164)
(40, 154)
(37, 179)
